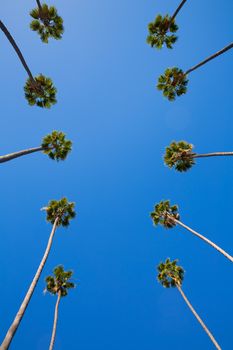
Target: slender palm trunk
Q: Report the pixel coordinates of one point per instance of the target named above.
(214, 154)
(178, 10)
(17, 50)
(39, 5)
(13, 328)
(204, 239)
(228, 47)
(11, 156)
(198, 318)
(55, 321)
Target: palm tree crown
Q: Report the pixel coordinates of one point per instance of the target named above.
(164, 214)
(170, 274)
(59, 282)
(179, 155)
(56, 146)
(174, 80)
(47, 23)
(158, 32)
(62, 209)
(173, 83)
(40, 91)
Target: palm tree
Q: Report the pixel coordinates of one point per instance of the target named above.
(59, 285)
(59, 213)
(55, 145)
(160, 28)
(46, 22)
(38, 90)
(180, 155)
(171, 275)
(174, 80)
(168, 216)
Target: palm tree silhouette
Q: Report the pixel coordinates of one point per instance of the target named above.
(59, 213)
(59, 285)
(171, 275)
(174, 80)
(180, 155)
(160, 29)
(38, 90)
(55, 145)
(46, 22)
(168, 216)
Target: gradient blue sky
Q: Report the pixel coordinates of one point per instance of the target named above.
(120, 124)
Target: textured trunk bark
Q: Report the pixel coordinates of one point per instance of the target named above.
(11, 156)
(214, 154)
(55, 321)
(228, 47)
(205, 240)
(13, 328)
(17, 50)
(198, 318)
(178, 10)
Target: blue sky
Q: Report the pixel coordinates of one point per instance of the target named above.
(120, 124)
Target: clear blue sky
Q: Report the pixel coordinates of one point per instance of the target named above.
(120, 124)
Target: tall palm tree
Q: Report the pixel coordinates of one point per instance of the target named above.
(55, 145)
(59, 285)
(168, 216)
(171, 275)
(174, 80)
(46, 22)
(59, 213)
(38, 90)
(160, 29)
(180, 155)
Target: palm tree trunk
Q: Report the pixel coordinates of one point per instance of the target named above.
(228, 47)
(11, 156)
(204, 239)
(13, 328)
(198, 318)
(178, 10)
(17, 50)
(214, 154)
(39, 5)
(55, 321)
